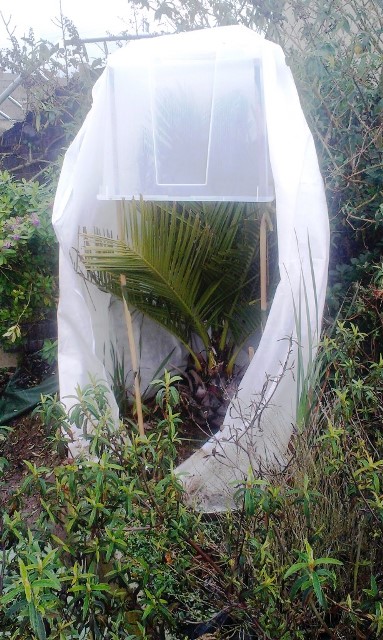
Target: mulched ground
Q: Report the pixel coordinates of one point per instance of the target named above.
(28, 438)
(32, 370)
(5, 376)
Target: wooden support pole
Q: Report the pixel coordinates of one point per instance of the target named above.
(263, 262)
(129, 327)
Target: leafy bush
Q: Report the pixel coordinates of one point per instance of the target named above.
(335, 51)
(115, 552)
(28, 257)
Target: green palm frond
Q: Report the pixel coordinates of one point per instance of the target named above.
(190, 268)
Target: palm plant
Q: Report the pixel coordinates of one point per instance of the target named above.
(193, 268)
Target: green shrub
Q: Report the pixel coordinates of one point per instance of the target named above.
(28, 257)
(115, 552)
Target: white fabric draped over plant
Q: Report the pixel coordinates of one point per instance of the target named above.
(261, 417)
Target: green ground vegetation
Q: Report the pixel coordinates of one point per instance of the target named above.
(116, 553)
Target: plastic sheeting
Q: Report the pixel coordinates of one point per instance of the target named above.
(185, 120)
(16, 401)
(260, 419)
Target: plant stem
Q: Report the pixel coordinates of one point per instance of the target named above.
(357, 559)
(321, 620)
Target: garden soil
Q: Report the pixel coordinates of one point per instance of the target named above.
(28, 440)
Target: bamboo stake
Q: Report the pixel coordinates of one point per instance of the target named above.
(129, 327)
(265, 222)
(263, 261)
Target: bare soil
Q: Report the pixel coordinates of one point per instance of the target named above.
(29, 441)
(28, 438)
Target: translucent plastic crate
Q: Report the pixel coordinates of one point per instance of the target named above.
(186, 124)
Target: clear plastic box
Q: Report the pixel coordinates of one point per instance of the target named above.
(186, 124)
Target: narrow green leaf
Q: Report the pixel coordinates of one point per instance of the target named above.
(295, 568)
(61, 543)
(49, 583)
(23, 570)
(328, 561)
(25, 581)
(299, 585)
(36, 621)
(318, 589)
(11, 595)
(101, 586)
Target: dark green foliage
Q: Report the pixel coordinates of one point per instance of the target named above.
(335, 51)
(115, 552)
